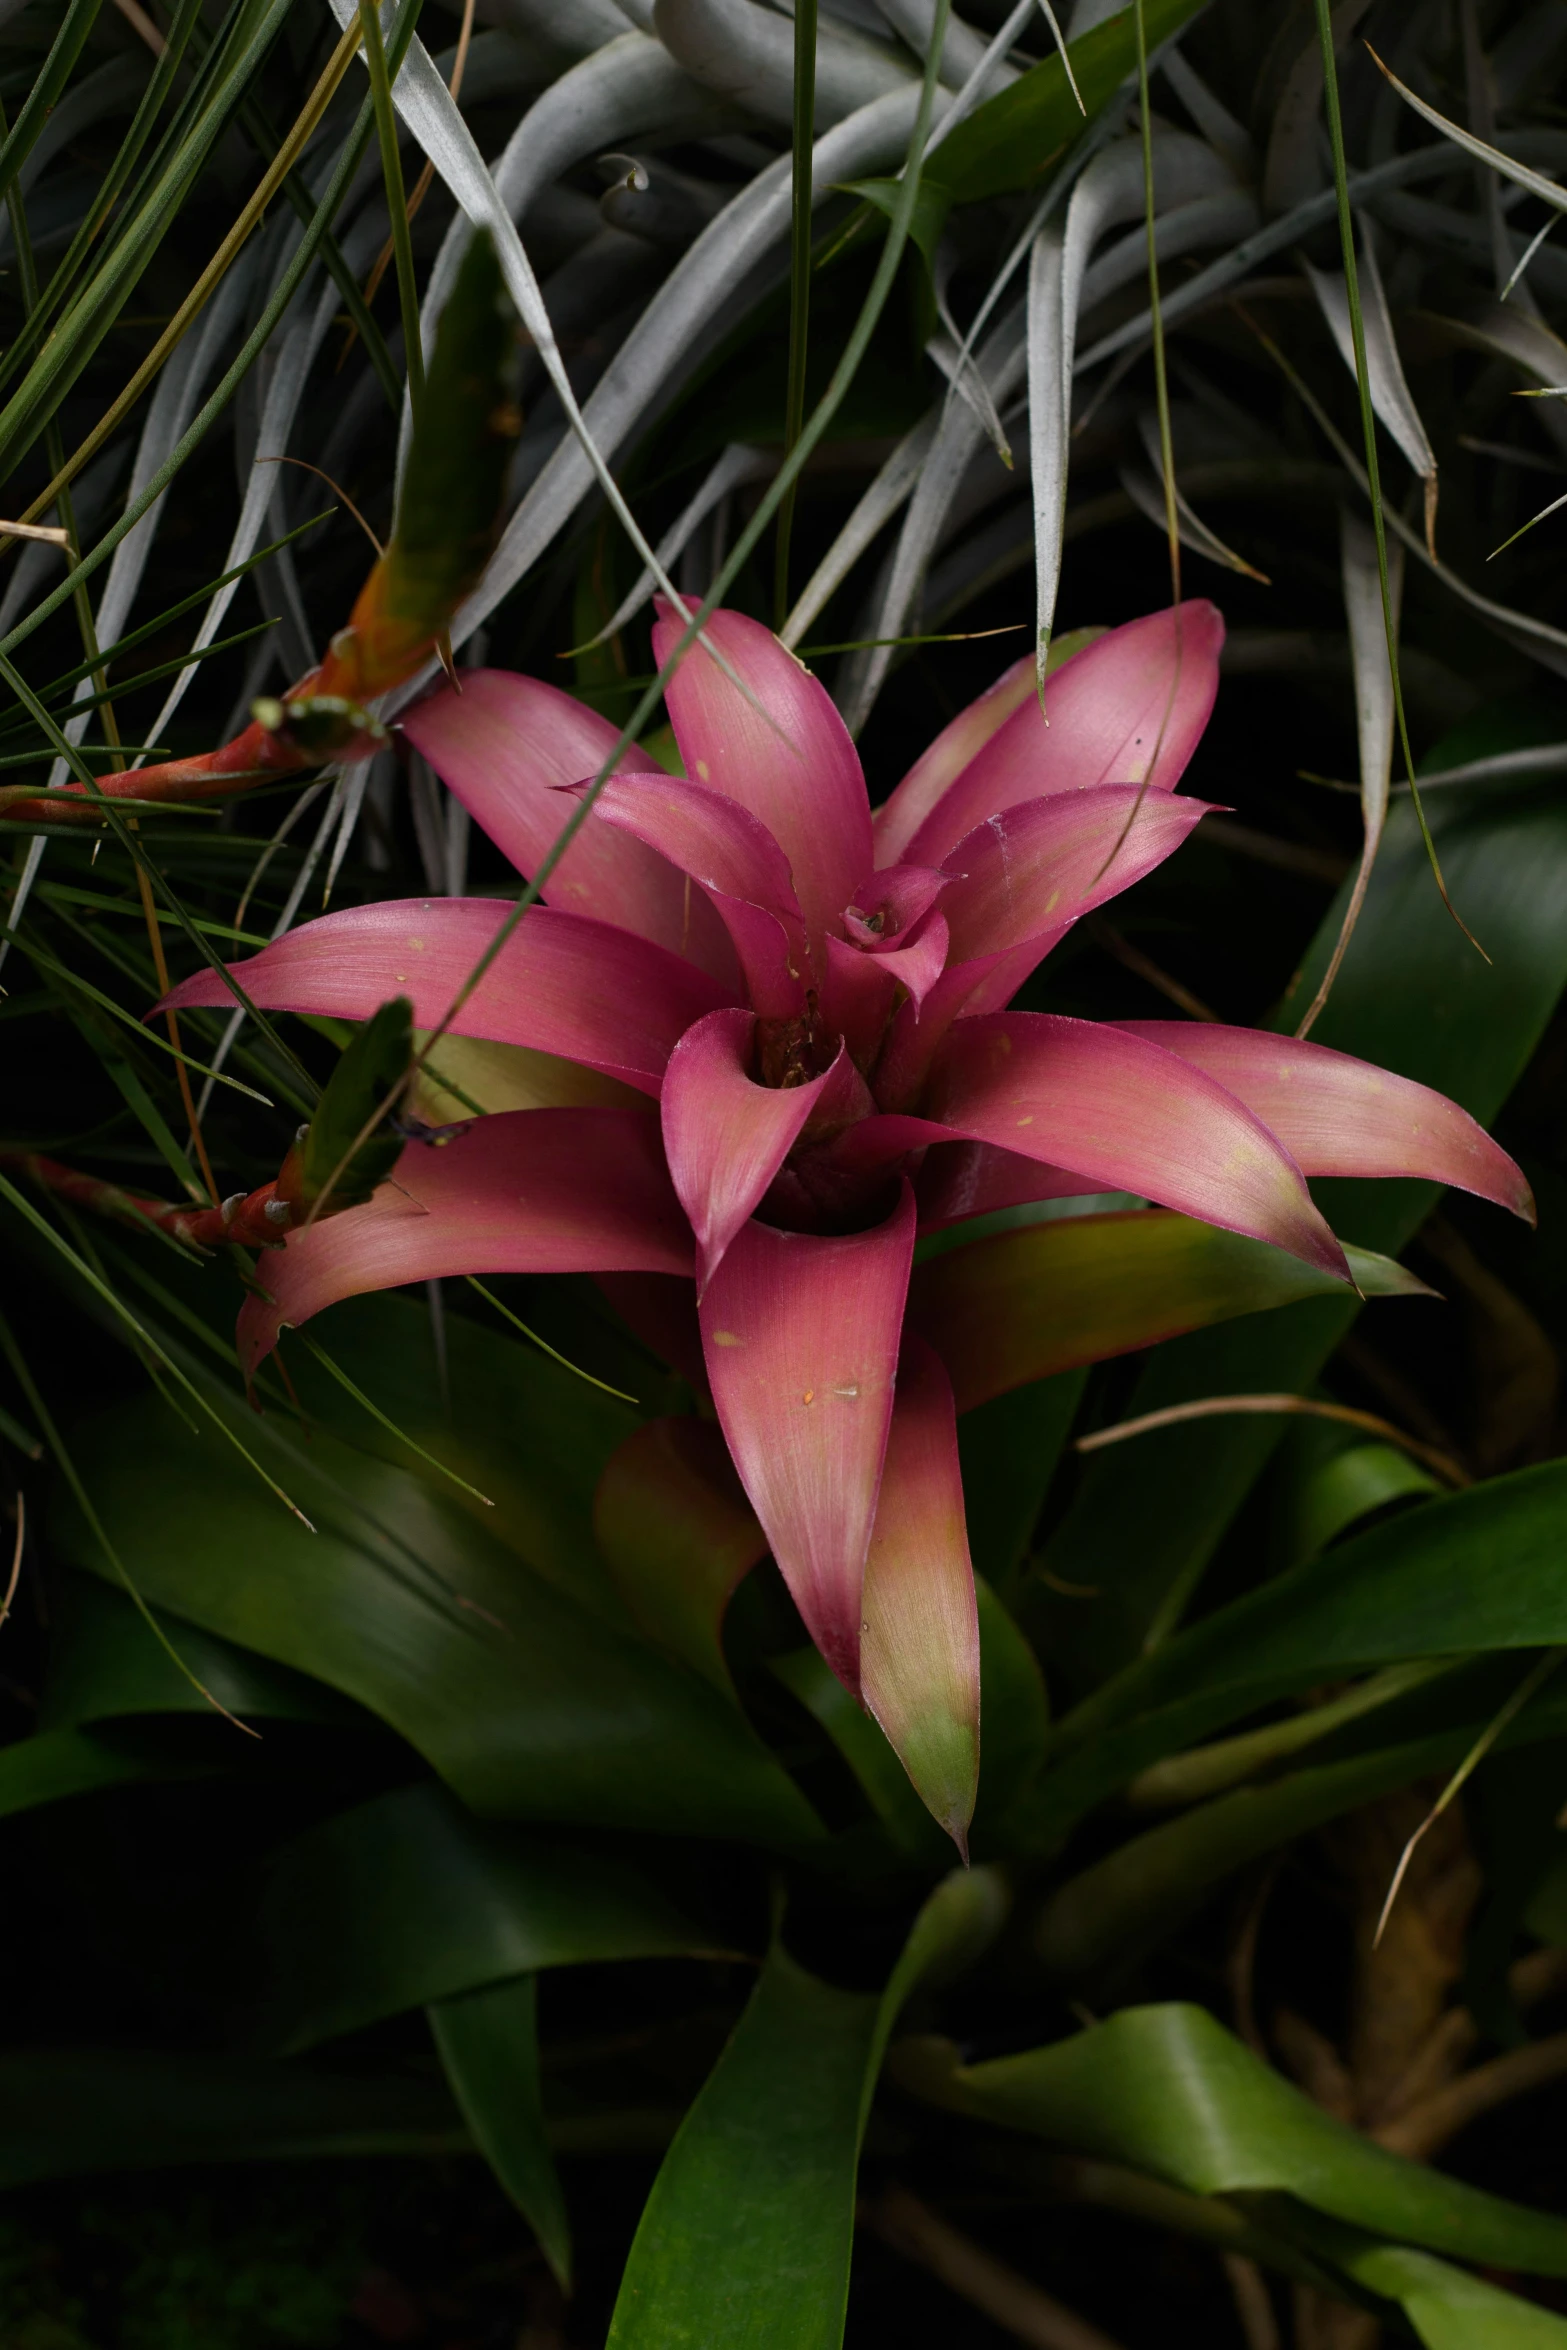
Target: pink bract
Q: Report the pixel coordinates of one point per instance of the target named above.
(817, 1005)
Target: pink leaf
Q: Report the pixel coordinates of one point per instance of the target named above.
(964, 1179)
(863, 990)
(505, 744)
(1135, 700)
(562, 984)
(919, 1654)
(1140, 1120)
(1026, 873)
(785, 754)
(1340, 1116)
(527, 1191)
(734, 857)
(801, 1335)
(725, 1135)
(892, 902)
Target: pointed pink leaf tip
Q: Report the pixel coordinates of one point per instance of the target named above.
(561, 984)
(780, 748)
(801, 1336)
(504, 745)
(1031, 870)
(919, 1654)
(726, 1135)
(1130, 708)
(526, 1191)
(1340, 1116)
(1140, 1120)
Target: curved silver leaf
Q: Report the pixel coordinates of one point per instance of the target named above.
(746, 54)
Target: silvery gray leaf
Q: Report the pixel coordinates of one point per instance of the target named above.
(959, 438)
(873, 512)
(1224, 134)
(650, 364)
(1109, 191)
(1390, 393)
(1183, 228)
(738, 464)
(745, 53)
(564, 32)
(970, 385)
(963, 50)
(1145, 488)
(628, 87)
(1276, 237)
(1375, 713)
(295, 356)
(428, 108)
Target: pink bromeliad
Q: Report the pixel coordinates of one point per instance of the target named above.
(810, 1002)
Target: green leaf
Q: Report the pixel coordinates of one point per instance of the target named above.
(330, 1168)
(1009, 1449)
(510, 1422)
(1350, 1483)
(1014, 1721)
(1414, 996)
(58, 1763)
(747, 2234)
(1406, 1588)
(409, 1899)
(489, 2045)
(1022, 1305)
(1102, 1923)
(678, 1533)
(527, 1705)
(1169, 2091)
(454, 482)
(931, 207)
(1013, 139)
(1448, 2308)
(104, 1663)
(882, 1778)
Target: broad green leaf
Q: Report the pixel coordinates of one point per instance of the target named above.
(1406, 1588)
(103, 1662)
(67, 2112)
(1021, 1305)
(1448, 2308)
(530, 1707)
(1009, 1449)
(1414, 996)
(678, 1533)
(1339, 1485)
(1169, 2091)
(489, 2045)
(1012, 140)
(747, 2234)
(531, 1437)
(56, 1763)
(1014, 1722)
(408, 1899)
